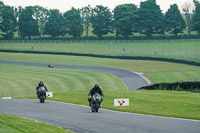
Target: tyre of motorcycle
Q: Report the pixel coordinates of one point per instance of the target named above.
(92, 107)
(42, 98)
(95, 107)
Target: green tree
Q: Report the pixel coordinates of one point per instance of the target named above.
(101, 21)
(28, 26)
(8, 22)
(86, 13)
(125, 19)
(40, 14)
(188, 12)
(151, 19)
(196, 17)
(73, 22)
(1, 7)
(55, 24)
(174, 21)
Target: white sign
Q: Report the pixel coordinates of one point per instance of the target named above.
(6, 98)
(49, 94)
(121, 102)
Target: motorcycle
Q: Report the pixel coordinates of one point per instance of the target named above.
(42, 94)
(50, 66)
(95, 102)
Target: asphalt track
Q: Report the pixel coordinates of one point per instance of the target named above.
(79, 118)
(132, 80)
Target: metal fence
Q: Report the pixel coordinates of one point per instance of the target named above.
(101, 41)
(148, 48)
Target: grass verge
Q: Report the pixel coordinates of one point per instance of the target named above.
(175, 49)
(154, 102)
(73, 85)
(18, 81)
(14, 124)
(156, 71)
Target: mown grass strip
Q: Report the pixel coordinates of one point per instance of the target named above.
(18, 81)
(176, 49)
(156, 71)
(154, 102)
(14, 124)
(71, 86)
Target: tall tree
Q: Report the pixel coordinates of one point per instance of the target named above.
(174, 20)
(73, 22)
(101, 21)
(125, 19)
(196, 17)
(8, 22)
(1, 7)
(151, 19)
(40, 14)
(28, 26)
(55, 24)
(86, 13)
(188, 8)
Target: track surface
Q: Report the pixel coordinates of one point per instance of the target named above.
(132, 80)
(79, 118)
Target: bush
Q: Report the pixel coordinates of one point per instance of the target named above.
(180, 86)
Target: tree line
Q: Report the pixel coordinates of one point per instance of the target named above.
(125, 20)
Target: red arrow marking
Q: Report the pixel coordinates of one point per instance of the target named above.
(121, 103)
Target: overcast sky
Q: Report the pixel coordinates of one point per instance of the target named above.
(64, 5)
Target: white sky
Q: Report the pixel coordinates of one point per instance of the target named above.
(64, 5)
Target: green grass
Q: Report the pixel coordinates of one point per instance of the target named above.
(20, 81)
(14, 124)
(161, 103)
(72, 86)
(156, 71)
(177, 49)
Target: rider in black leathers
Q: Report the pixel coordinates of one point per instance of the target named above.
(39, 85)
(95, 89)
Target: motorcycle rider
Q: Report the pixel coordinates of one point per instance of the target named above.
(95, 89)
(39, 85)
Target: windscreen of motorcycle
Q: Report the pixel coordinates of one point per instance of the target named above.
(42, 88)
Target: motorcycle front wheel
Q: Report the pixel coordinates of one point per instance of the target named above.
(97, 107)
(42, 99)
(92, 108)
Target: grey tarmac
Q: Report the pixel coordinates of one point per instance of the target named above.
(78, 118)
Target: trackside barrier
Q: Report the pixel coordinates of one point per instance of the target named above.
(99, 41)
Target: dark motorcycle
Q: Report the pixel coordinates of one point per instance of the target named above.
(50, 66)
(42, 94)
(95, 102)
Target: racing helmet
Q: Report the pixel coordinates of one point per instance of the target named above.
(41, 83)
(96, 86)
